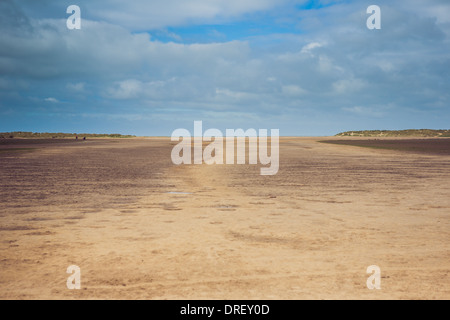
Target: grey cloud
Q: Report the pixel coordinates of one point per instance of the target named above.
(155, 14)
(337, 68)
(13, 19)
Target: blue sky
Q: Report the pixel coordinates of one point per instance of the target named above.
(150, 67)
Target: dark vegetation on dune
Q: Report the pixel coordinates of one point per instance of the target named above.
(397, 133)
(59, 135)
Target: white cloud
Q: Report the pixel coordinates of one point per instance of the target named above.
(127, 89)
(52, 100)
(348, 85)
(293, 90)
(310, 46)
(76, 87)
(364, 111)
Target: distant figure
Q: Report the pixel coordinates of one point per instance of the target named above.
(76, 138)
(84, 138)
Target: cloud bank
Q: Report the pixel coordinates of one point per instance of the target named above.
(306, 67)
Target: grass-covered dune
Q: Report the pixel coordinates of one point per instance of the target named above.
(397, 133)
(59, 135)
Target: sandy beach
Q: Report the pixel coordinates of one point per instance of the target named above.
(140, 227)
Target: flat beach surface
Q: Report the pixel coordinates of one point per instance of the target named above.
(140, 227)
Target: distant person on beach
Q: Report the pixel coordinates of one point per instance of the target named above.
(76, 138)
(84, 138)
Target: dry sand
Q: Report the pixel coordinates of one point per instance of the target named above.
(142, 228)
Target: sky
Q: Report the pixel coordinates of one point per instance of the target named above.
(147, 67)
